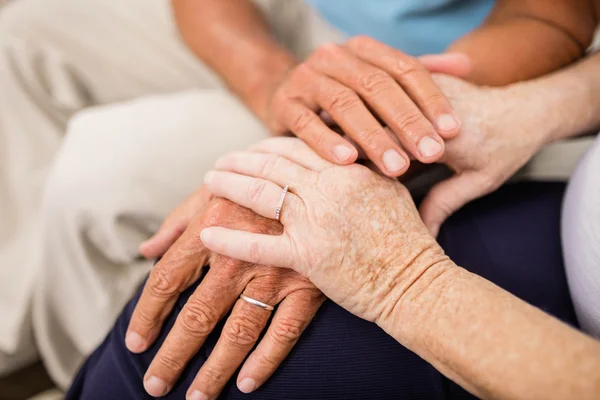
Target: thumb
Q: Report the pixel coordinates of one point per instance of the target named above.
(160, 242)
(456, 64)
(449, 196)
(175, 224)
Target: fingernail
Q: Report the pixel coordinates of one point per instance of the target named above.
(197, 395)
(155, 387)
(429, 147)
(204, 235)
(447, 122)
(143, 245)
(393, 161)
(342, 153)
(134, 342)
(209, 177)
(247, 385)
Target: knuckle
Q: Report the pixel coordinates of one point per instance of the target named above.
(319, 139)
(255, 252)
(343, 100)
(240, 332)
(358, 41)
(162, 283)
(408, 121)
(213, 374)
(145, 320)
(215, 207)
(256, 190)
(375, 83)
(407, 66)
(270, 164)
(434, 98)
(212, 220)
(281, 97)
(302, 71)
(169, 363)
(326, 50)
(369, 135)
(265, 360)
(301, 121)
(197, 318)
(287, 331)
(228, 263)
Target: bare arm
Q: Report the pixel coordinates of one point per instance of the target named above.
(233, 38)
(523, 39)
(491, 342)
(567, 102)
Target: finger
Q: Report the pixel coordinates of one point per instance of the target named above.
(293, 315)
(250, 247)
(448, 196)
(272, 167)
(259, 195)
(419, 85)
(388, 100)
(175, 224)
(355, 119)
(175, 272)
(239, 336)
(163, 239)
(204, 309)
(363, 156)
(293, 149)
(456, 64)
(305, 124)
(327, 119)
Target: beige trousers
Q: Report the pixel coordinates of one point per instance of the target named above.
(80, 189)
(107, 122)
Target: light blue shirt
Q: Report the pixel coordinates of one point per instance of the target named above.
(414, 26)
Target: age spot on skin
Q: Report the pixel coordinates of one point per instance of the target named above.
(375, 225)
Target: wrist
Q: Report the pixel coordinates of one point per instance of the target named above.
(528, 104)
(414, 290)
(259, 88)
(557, 107)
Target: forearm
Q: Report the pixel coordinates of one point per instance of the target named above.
(492, 343)
(233, 38)
(525, 39)
(565, 103)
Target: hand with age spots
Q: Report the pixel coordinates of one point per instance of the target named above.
(354, 233)
(297, 299)
(182, 266)
(502, 130)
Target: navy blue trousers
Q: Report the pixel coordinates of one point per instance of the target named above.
(510, 237)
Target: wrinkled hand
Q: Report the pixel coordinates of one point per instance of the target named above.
(358, 85)
(499, 135)
(175, 224)
(354, 233)
(219, 291)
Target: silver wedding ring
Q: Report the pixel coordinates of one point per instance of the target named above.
(256, 302)
(280, 204)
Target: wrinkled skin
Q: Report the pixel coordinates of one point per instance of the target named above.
(355, 234)
(501, 132)
(215, 296)
(358, 84)
(181, 265)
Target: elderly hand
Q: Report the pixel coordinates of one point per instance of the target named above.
(501, 131)
(219, 291)
(360, 84)
(354, 233)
